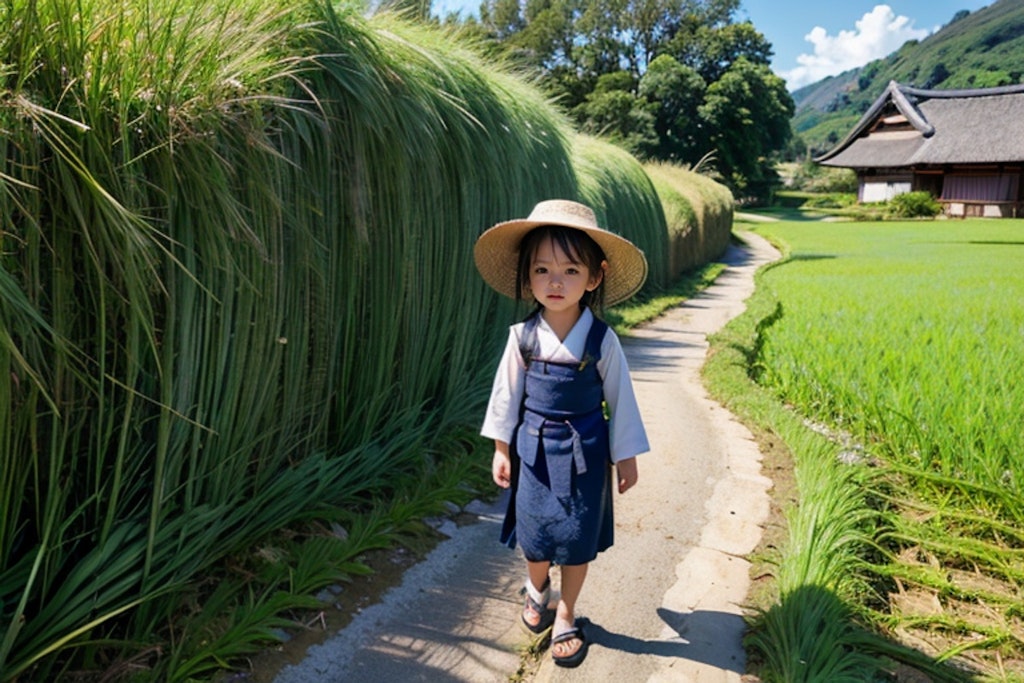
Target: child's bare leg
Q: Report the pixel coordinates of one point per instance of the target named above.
(538, 572)
(573, 577)
(538, 575)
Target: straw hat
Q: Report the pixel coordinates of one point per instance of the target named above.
(497, 250)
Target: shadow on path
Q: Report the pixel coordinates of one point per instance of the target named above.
(696, 638)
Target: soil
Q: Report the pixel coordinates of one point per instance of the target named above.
(312, 628)
(777, 465)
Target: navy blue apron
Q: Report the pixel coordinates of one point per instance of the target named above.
(561, 505)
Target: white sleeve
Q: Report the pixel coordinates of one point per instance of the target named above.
(506, 393)
(627, 434)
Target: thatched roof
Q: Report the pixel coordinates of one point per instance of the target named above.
(908, 127)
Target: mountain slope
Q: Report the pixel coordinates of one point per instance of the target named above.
(974, 50)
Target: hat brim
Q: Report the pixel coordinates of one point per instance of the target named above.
(496, 254)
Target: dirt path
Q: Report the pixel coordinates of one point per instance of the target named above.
(664, 602)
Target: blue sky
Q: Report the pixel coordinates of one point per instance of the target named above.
(813, 39)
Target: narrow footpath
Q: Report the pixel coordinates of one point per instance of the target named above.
(665, 603)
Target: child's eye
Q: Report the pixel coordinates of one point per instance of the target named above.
(540, 270)
(572, 271)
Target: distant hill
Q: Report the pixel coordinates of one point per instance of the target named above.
(974, 50)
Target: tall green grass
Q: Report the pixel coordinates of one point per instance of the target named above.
(237, 294)
(899, 342)
(698, 211)
(615, 183)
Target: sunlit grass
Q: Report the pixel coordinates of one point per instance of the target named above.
(906, 335)
(899, 343)
(698, 213)
(237, 295)
(229, 301)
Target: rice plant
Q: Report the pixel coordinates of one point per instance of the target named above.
(199, 302)
(914, 348)
(902, 337)
(237, 293)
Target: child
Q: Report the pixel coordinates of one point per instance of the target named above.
(562, 367)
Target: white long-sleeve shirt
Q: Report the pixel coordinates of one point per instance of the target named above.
(628, 437)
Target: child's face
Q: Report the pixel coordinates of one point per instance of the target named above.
(556, 282)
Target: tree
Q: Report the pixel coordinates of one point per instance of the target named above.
(676, 92)
(614, 112)
(662, 77)
(502, 18)
(655, 22)
(712, 50)
(747, 113)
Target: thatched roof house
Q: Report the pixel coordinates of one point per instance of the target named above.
(966, 147)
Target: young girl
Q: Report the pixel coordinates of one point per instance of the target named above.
(562, 409)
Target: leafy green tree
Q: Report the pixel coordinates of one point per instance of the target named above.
(502, 18)
(614, 112)
(654, 24)
(547, 35)
(938, 75)
(664, 78)
(747, 113)
(711, 50)
(676, 92)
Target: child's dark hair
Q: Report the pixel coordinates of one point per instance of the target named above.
(576, 244)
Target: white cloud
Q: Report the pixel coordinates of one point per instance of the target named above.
(879, 33)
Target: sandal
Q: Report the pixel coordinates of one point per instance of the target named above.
(537, 603)
(574, 633)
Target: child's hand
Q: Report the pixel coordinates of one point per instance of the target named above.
(626, 474)
(501, 469)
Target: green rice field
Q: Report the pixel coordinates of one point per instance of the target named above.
(908, 335)
(902, 344)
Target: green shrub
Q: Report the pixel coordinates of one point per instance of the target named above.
(914, 205)
(834, 200)
(815, 178)
(791, 199)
